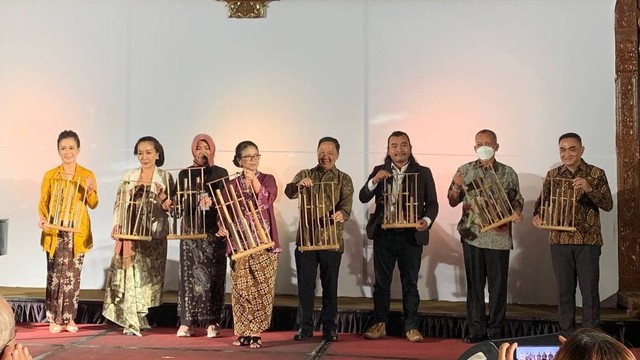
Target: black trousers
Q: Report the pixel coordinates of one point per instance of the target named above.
(307, 263)
(388, 248)
(581, 263)
(482, 267)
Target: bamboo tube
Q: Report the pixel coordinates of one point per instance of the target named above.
(304, 228)
(248, 227)
(551, 204)
(76, 206)
(139, 212)
(53, 213)
(123, 210)
(262, 235)
(227, 217)
(335, 226)
(245, 225)
(203, 193)
(325, 217)
(317, 214)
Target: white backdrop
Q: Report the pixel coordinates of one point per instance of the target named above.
(440, 70)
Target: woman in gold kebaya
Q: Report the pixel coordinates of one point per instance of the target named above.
(67, 191)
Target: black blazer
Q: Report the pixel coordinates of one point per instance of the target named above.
(426, 197)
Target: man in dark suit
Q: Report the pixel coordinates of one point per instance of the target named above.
(403, 245)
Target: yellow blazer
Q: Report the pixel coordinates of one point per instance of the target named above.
(83, 240)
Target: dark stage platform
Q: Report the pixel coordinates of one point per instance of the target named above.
(438, 319)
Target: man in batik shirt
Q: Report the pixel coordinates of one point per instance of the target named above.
(339, 202)
(486, 254)
(575, 255)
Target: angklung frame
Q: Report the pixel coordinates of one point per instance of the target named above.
(488, 199)
(67, 194)
(134, 210)
(317, 229)
(400, 201)
(558, 205)
(186, 217)
(240, 216)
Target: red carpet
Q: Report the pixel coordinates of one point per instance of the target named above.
(101, 342)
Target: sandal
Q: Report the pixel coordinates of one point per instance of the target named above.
(54, 328)
(256, 342)
(71, 327)
(131, 332)
(242, 341)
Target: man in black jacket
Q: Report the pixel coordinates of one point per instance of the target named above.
(403, 246)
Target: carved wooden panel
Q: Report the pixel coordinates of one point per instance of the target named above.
(628, 143)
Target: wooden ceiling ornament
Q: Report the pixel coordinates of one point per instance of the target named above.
(247, 9)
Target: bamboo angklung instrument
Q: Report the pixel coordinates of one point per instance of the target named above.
(558, 206)
(240, 215)
(68, 194)
(316, 205)
(400, 201)
(488, 199)
(134, 203)
(186, 217)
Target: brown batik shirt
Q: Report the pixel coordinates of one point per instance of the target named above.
(587, 207)
(340, 199)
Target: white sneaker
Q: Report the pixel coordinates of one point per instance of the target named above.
(183, 331)
(213, 331)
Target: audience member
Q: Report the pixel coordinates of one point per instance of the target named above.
(584, 344)
(9, 349)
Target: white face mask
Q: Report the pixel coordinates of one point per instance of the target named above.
(485, 152)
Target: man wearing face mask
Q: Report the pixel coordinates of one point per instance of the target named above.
(486, 254)
(403, 246)
(575, 255)
(307, 262)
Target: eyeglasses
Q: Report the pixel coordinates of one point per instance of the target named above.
(251, 157)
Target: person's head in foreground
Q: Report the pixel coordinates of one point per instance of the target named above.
(591, 344)
(584, 344)
(9, 350)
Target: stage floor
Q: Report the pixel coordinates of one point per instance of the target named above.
(103, 342)
(441, 322)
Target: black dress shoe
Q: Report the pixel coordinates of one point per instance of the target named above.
(472, 339)
(302, 334)
(330, 335)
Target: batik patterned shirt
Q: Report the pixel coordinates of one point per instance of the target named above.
(587, 207)
(340, 199)
(499, 238)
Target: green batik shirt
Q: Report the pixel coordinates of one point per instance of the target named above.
(499, 238)
(342, 194)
